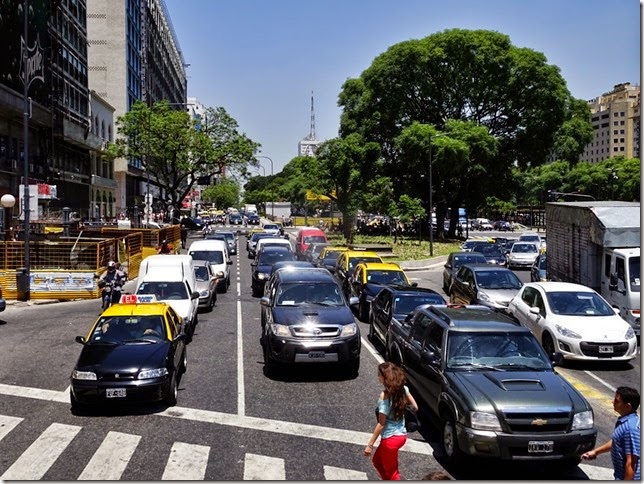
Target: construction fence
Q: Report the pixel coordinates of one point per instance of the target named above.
(67, 267)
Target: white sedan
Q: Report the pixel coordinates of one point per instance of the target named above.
(574, 320)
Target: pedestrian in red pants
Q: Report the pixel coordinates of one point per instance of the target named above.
(391, 421)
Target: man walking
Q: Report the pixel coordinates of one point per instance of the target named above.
(624, 447)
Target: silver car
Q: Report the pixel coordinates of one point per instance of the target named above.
(522, 254)
(206, 284)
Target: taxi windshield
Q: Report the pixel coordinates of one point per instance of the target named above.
(128, 329)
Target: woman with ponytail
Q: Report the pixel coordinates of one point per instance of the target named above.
(391, 421)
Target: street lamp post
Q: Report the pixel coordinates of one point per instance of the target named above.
(431, 203)
(7, 201)
(273, 201)
(25, 121)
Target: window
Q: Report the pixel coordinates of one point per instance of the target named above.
(419, 327)
(434, 337)
(615, 123)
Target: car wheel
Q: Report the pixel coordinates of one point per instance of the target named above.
(548, 344)
(172, 391)
(364, 312)
(450, 440)
(270, 366)
(353, 368)
(77, 407)
(184, 361)
(224, 286)
(212, 303)
(445, 287)
(370, 336)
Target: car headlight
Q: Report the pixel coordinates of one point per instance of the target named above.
(566, 332)
(83, 375)
(280, 330)
(583, 420)
(483, 297)
(156, 373)
(262, 275)
(349, 329)
(485, 421)
(205, 293)
(629, 333)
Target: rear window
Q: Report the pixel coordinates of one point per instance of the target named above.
(312, 239)
(213, 256)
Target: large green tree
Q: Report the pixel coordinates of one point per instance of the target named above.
(175, 149)
(476, 76)
(224, 194)
(341, 170)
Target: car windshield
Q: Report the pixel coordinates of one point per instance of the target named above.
(299, 294)
(491, 250)
(634, 273)
(581, 303)
(201, 273)
(495, 351)
(271, 227)
(405, 304)
(164, 291)
(459, 260)
(530, 238)
(128, 329)
(353, 261)
(269, 257)
(386, 277)
(524, 248)
(212, 256)
(497, 279)
(312, 239)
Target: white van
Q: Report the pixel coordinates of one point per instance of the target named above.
(182, 263)
(173, 287)
(216, 252)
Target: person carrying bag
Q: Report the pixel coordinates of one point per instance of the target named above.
(390, 427)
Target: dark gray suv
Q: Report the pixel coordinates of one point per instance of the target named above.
(492, 386)
(306, 319)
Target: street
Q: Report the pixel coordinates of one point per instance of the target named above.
(231, 421)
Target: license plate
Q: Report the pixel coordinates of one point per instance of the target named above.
(317, 354)
(605, 349)
(540, 446)
(115, 392)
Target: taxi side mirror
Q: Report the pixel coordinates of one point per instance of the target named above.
(194, 295)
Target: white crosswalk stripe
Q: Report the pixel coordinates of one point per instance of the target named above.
(187, 462)
(340, 474)
(38, 458)
(263, 468)
(111, 458)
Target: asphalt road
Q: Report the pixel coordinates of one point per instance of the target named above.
(231, 421)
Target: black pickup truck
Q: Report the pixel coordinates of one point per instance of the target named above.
(492, 386)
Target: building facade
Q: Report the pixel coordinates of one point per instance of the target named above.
(615, 117)
(58, 126)
(134, 56)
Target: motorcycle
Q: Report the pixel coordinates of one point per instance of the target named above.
(110, 293)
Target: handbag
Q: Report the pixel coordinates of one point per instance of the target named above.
(412, 424)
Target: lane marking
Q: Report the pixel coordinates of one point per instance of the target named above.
(34, 462)
(7, 424)
(339, 474)
(263, 468)
(374, 352)
(110, 460)
(241, 392)
(187, 462)
(603, 382)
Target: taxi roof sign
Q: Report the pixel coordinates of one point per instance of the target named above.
(138, 298)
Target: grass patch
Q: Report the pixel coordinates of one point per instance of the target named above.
(407, 249)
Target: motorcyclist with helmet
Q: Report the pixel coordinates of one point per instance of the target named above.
(114, 278)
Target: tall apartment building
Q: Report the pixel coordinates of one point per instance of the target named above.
(60, 138)
(615, 117)
(134, 55)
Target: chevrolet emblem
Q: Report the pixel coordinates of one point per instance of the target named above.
(117, 375)
(539, 421)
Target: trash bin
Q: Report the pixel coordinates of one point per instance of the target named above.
(22, 284)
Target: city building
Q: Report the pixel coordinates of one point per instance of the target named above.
(615, 117)
(134, 55)
(309, 144)
(58, 126)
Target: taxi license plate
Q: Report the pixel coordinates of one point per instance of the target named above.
(315, 355)
(605, 349)
(540, 446)
(115, 392)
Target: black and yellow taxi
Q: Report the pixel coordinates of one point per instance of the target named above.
(134, 352)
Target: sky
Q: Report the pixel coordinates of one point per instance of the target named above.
(261, 59)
